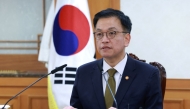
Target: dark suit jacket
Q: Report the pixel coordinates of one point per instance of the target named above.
(142, 89)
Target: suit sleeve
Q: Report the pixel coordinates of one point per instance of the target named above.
(154, 95)
(75, 101)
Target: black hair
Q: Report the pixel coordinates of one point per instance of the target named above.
(124, 19)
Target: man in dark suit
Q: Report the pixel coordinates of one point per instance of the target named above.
(134, 84)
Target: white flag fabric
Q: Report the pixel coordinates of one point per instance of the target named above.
(45, 41)
(71, 43)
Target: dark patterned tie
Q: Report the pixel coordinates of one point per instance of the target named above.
(111, 82)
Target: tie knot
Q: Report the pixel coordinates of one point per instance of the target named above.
(112, 72)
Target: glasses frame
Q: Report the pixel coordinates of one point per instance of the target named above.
(107, 34)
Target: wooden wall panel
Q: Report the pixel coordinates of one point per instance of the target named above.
(21, 63)
(15, 103)
(38, 102)
(176, 96)
(33, 98)
(173, 104)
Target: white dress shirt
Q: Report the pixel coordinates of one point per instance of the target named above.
(118, 75)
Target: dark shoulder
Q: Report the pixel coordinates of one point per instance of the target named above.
(143, 66)
(145, 70)
(91, 65)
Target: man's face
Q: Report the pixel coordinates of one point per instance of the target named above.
(114, 47)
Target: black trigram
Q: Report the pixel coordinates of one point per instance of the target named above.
(70, 73)
(70, 69)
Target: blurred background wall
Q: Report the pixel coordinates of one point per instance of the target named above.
(161, 32)
(21, 20)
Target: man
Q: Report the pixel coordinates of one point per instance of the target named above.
(135, 84)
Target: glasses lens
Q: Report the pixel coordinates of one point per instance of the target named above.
(98, 35)
(111, 34)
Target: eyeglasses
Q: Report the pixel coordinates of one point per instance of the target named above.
(109, 34)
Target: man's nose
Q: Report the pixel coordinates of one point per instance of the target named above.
(105, 38)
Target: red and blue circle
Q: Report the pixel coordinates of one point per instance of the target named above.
(71, 31)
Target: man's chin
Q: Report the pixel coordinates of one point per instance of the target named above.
(106, 56)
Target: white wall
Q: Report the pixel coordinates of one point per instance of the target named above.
(21, 20)
(161, 32)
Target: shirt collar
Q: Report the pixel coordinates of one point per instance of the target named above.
(119, 67)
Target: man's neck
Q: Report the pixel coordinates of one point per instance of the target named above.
(114, 60)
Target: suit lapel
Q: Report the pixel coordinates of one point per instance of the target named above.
(125, 84)
(97, 84)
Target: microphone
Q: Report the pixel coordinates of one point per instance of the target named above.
(100, 68)
(52, 72)
(58, 69)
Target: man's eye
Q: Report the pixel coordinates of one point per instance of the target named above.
(112, 33)
(99, 34)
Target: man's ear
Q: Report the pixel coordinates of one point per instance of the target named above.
(127, 39)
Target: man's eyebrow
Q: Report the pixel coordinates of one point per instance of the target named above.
(111, 28)
(98, 29)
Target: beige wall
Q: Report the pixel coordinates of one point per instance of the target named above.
(161, 33)
(21, 20)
